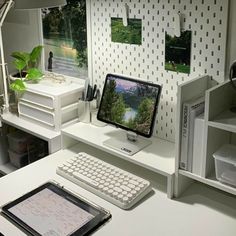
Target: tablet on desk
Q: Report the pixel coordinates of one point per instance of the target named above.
(52, 210)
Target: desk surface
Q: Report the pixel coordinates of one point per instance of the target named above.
(200, 211)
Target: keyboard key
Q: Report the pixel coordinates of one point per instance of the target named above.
(125, 188)
(88, 180)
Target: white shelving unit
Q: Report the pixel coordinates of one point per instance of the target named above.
(220, 129)
(44, 108)
(53, 138)
(158, 157)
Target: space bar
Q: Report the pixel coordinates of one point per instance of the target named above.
(85, 179)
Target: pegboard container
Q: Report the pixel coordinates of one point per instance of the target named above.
(207, 19)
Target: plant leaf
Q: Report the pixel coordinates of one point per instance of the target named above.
(34, 74)
(23, 56)
(18, 85)
(35, 54)
(19, 64)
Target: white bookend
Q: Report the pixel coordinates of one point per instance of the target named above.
(191, 109)
(198, 142)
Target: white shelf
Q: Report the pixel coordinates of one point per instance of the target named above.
(29, 127)
(225, 121)
(52, 137)
(211, 181)
(158, 157)
(7, 168)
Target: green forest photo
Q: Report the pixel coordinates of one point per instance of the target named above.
(65, 38)
(178, 52)
(131, 34)
(129, 104)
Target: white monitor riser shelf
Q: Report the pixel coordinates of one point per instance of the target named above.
(158, 156)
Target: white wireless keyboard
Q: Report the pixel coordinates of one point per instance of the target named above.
(109, 182)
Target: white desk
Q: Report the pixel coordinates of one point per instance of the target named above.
(201, 211)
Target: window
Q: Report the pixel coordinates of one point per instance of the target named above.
(65, 39)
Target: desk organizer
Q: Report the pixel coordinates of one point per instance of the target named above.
(52, 106)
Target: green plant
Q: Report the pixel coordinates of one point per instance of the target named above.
(26, 64)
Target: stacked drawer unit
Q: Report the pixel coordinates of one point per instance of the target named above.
(52, 106)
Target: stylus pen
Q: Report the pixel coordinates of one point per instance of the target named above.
(89, 93)
(98, 97)
(94, 91)
(86, 85)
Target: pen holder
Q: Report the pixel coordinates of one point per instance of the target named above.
(84, 111)
(87, 111)
(93, 114)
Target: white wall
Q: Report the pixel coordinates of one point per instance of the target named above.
(20, 33)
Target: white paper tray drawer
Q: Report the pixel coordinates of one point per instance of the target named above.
(70, 98)
(38, 99)
(69, 115)
(36, 114)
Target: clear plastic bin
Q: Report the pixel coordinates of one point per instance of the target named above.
(18, 141)
(18, 160)
(225, 164)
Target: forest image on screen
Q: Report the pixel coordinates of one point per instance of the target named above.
(128, 103)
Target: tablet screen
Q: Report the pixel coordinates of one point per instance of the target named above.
(48, 213)
(51, 211)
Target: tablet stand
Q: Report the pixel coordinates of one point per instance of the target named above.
(128, 143)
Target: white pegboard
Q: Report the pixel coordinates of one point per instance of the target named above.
(207, 19)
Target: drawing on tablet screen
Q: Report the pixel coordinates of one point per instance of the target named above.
(50, 214)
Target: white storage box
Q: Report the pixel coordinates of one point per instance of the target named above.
(51, 105)
(225, 164)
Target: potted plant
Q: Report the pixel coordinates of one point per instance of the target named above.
(27, 67)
